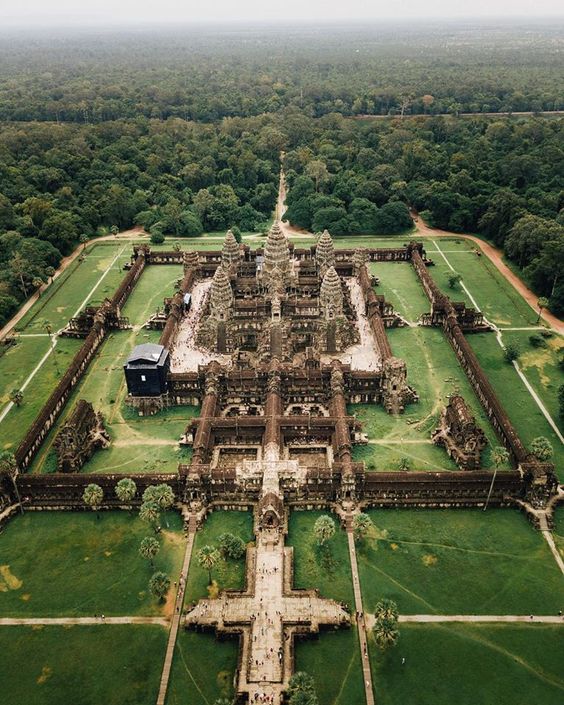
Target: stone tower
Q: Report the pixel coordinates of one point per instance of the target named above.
(276, 269)
(324, 253)
(221, 296)
(359, 258)
(230, 253)
(331, 295)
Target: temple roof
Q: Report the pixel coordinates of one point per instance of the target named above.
(276, 251)
(324, 252)
(331, 292)
(230, 252)
(221, 294)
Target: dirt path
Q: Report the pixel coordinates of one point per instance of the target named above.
(133, 234)
(496, 258)
(69, 621)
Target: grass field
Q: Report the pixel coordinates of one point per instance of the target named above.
(227, 574)
(333, 660)
(113, 665)
(326, 568)
(459, 562)
(514, 396)
(139, 444)
(558, 532)
(203, 669)
(62, 564)
(499, 301)
(475, 664)
(434, 372)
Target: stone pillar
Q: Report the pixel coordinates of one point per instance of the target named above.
(209, 408)
(273, 412)
(343, 443)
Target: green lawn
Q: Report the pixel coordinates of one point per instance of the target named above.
(203, 669)
(471, 665)
(333, 660)
(401, 287)
(326, 568)
(66, 564)
(459, 562)
(434, 371)
(496, 297)
(540, 366)
(514, 396)
(227, 574)
(558, 532)
(113, 665)
(15, 366)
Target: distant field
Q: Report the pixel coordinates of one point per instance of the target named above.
(83, 665)
(476, 664)
(80, 565)
(459, 561)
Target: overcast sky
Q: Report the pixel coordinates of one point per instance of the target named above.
(96, 11)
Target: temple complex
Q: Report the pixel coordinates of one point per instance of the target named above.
(274, 345)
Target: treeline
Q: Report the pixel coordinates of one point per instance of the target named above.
(208, 73)
(63, 183)
(502, 179)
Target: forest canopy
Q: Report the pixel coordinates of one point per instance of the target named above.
(184, 131)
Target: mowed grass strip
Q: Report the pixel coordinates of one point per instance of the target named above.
(228, 574)
(333, 659)
(515, 398)
(86, 665)
(459, 562)
(495, 296)
(434, 372)
(55, 564)
(203, 669)
(471, 664)
(324, 567)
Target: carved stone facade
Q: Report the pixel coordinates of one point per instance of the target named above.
(82, 434)
(459, 433)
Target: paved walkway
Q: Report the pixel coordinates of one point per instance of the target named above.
(69, 621)
(177, 615)
(474, 618)
(361, 622)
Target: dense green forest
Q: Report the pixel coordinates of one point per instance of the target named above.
(206, 73)
(503, 179)
(182, 132)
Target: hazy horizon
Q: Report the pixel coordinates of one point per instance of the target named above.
(140, 12)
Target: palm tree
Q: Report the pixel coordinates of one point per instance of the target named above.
(16, 397)
(500, 456)
(126, 490)
(50, 273)
(159, 585)
(162, 495)
(83, 241)
(385, 633)
(541, 303)
(148, 548)
(92, 496)
(37, 283)
(542, 448)
(386, 609)
(150, 513)
(362, 524)
(301, 682)
(9, 468)
(324, 529)
(208, 557)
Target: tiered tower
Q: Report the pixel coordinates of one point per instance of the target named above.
(324, 253)
(331, 295)
(230, 253)
(276, 270)
(221, 295)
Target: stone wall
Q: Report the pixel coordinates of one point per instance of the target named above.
(469, 362)
(64, 491)
(54, 406)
